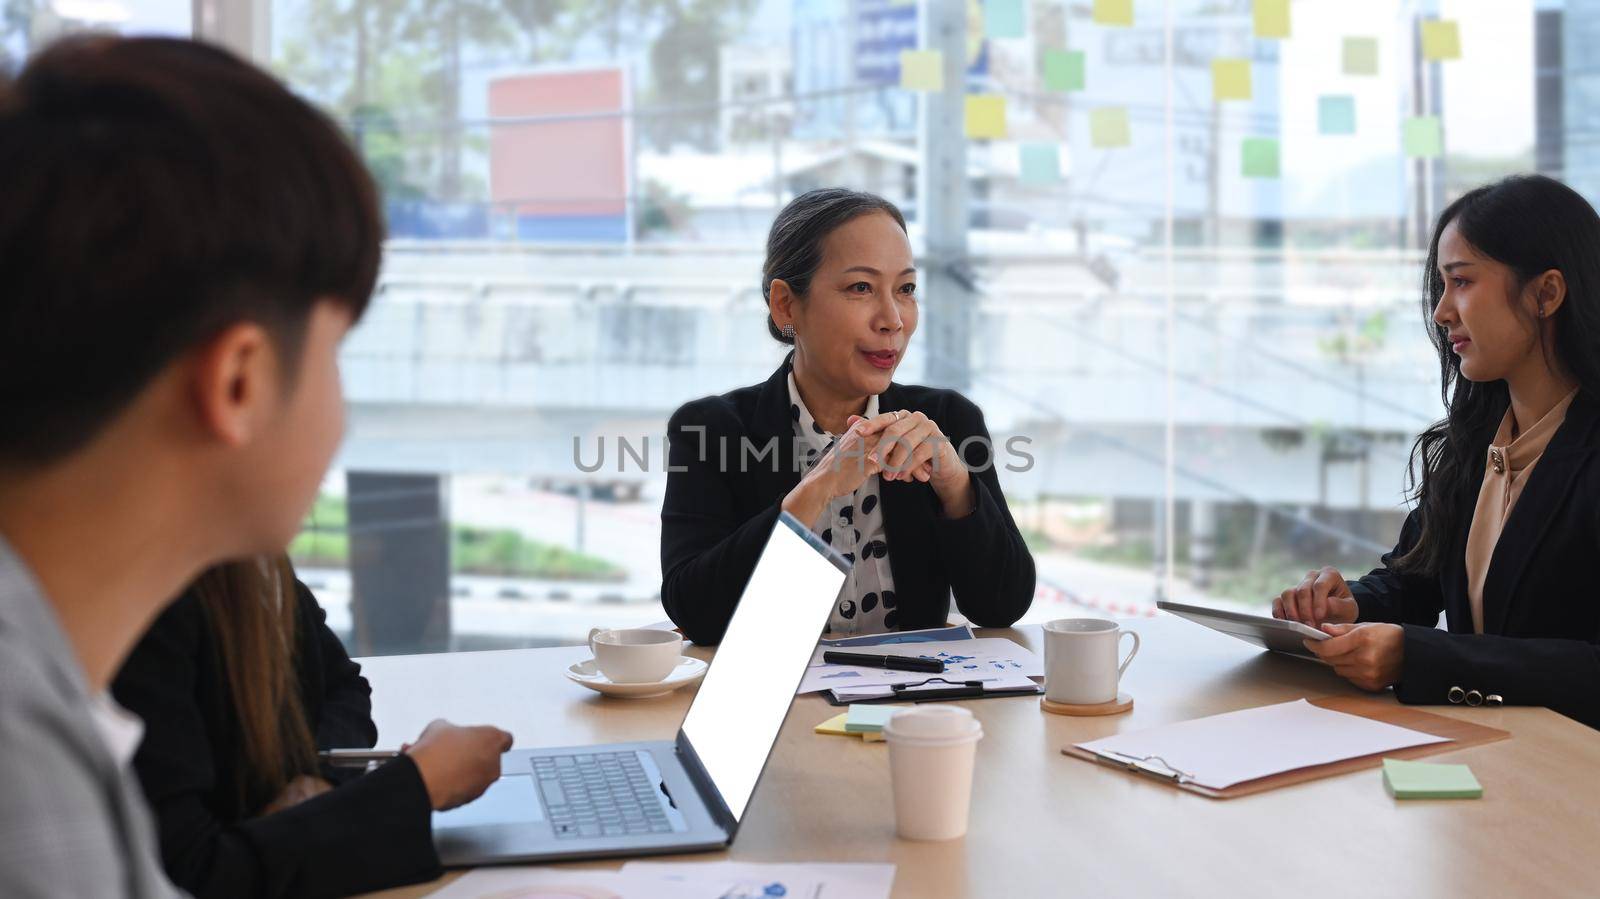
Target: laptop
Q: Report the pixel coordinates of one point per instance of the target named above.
(683, 795)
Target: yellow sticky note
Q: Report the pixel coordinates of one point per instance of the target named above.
(1230, 79)
(1113, 12)
(834, 725)
(1272, 18)
(1361, 56)
(1441, 39)
(986, 117)
(1108, 127)
(922, 70)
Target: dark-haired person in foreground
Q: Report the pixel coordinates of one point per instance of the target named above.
(240, 682)
(899, 479)
(1507, 522)
(183, 245)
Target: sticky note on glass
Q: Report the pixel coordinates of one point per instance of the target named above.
(1063, 70)
(1361, 56)
(1259, 157)
(1422, 137)
(986, 117)
(1336, 114)
(1002, 18)
(1041, 163)
(1230, 79)
(1272, 18)
(922, 70)
(1113, 12)
(1425, 780)
(1108, 127)
(1441, 40)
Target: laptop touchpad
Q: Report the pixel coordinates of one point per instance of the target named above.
(513, 799)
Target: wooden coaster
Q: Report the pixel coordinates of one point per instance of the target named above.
(1117, 706)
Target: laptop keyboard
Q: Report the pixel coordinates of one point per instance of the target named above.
(599, 794)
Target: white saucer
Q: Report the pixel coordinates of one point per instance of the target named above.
(688, 671)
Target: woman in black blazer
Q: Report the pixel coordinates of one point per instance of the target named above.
(1504, 532)
(898, 478)
(239, 683)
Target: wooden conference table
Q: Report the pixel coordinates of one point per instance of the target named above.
(1044, 824)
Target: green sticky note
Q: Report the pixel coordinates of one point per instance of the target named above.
(869, 719)
(1230, 79)
(922, 70)
(1272, 18)
(1113, 12)
(1259, 157)
(1336, 114)
(1422, 137)
(986, 116)
(1441, 40)
(1361, 56)
(1425, 780)
(1108, 127)
(1063, 70)
(1002, 18)
(1041, 163)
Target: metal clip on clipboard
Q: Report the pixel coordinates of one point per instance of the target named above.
(1153, 765)
(956, 689)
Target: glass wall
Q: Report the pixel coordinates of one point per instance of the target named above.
(26, 25)
(1192, 270)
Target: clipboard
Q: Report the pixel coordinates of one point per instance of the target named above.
(956, 690)
(1460, 735)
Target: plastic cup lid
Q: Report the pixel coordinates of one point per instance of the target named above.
(934, 722)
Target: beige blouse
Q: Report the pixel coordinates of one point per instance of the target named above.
(1506, 471)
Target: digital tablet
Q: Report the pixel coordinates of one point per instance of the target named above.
(1264, 631)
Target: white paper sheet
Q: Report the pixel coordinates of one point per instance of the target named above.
(964, 660)
(838, 881)
(560, 883)
(1231, 748)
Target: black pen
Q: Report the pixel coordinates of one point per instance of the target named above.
(893, 663)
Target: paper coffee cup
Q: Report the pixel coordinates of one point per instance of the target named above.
(931, 755)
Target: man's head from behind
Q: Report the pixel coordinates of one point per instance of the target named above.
(183, 244)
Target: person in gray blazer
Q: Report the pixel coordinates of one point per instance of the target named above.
(183, 245)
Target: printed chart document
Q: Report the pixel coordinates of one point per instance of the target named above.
(833, 881)
(980, 658)
(1231, 748)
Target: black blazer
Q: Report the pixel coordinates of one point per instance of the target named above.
(1541, 616)
(369, 833)
(715, 518)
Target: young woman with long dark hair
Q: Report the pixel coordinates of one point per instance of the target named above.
(239, 683)
(1507, 520)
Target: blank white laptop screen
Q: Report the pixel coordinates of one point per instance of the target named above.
(745, 696)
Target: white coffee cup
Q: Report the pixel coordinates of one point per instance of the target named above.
(635, 655)
(931, 754)
(1080, 660)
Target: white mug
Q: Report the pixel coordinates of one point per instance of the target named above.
(1080, 660)
(635, 655)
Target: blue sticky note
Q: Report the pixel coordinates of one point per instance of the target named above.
(869, 719)
(1336, 114)
(1003, 18)
(1041, 163)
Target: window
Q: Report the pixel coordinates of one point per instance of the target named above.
(1217, 393)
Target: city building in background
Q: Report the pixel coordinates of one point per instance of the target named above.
(1215, 392)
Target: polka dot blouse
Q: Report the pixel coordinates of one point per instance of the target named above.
(853, 525)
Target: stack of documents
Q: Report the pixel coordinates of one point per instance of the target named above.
(1001, 665)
